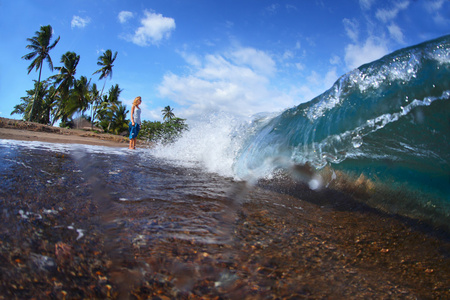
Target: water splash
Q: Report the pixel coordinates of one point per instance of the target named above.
(211, 144)
(387, 120)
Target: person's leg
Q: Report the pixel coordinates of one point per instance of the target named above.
(132, 136)
(138, 128)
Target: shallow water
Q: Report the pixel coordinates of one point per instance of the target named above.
(97, 222)
(185, 203)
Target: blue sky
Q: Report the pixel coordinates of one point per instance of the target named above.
(240, 57)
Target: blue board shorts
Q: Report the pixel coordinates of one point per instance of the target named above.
(134, 130)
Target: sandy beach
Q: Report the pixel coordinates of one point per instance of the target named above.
(302, 245)
(28, 131)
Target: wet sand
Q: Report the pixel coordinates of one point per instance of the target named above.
(302, 245)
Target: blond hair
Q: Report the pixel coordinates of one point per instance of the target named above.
(135, 101)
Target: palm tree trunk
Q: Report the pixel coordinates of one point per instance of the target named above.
(56, 116)
(33, 108)
(93, 112)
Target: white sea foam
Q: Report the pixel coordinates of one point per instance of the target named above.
(64, 148)
(211, 144)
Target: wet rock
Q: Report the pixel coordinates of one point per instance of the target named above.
(42, 263)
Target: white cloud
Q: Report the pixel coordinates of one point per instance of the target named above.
(357, 55)
(235, 82)
(272, 9)
(387, 15)
(191, 59)
(351, 28)
(300, 66)
(440, 20)
(79, 22)
(240, 82)
(330, 78)
(124, 16)
(322, 82)
(288, 54)
(365, 4)
(154, 28)
(315, 85)
(335, 60)
(396, 33)
(314, 78)
(255, 59)
(435, 8)
(290, 7)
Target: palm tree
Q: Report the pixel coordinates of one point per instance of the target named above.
(24, 108)
(168, 113)
(119, 121)
(78, 100)
(106, 61)
(40, 46)
(65, 81)
(51, 102)
(109, 106)
(41, 93)
(66, 76)
(94, 99)
(114, 93)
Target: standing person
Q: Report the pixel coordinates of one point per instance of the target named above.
(135, 124)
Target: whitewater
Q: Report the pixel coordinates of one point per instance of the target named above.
(387, 121)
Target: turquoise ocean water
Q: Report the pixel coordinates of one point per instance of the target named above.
(388, 120)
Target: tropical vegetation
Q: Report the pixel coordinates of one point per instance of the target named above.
(168, 113)
(106, 62)
(165, 132)
(64, 97)
(40, 46)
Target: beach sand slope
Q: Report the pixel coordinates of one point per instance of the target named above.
(29, 131)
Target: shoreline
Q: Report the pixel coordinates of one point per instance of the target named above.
(26, 135)
(11, 129)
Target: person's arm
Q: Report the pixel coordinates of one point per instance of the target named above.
(132, 112)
